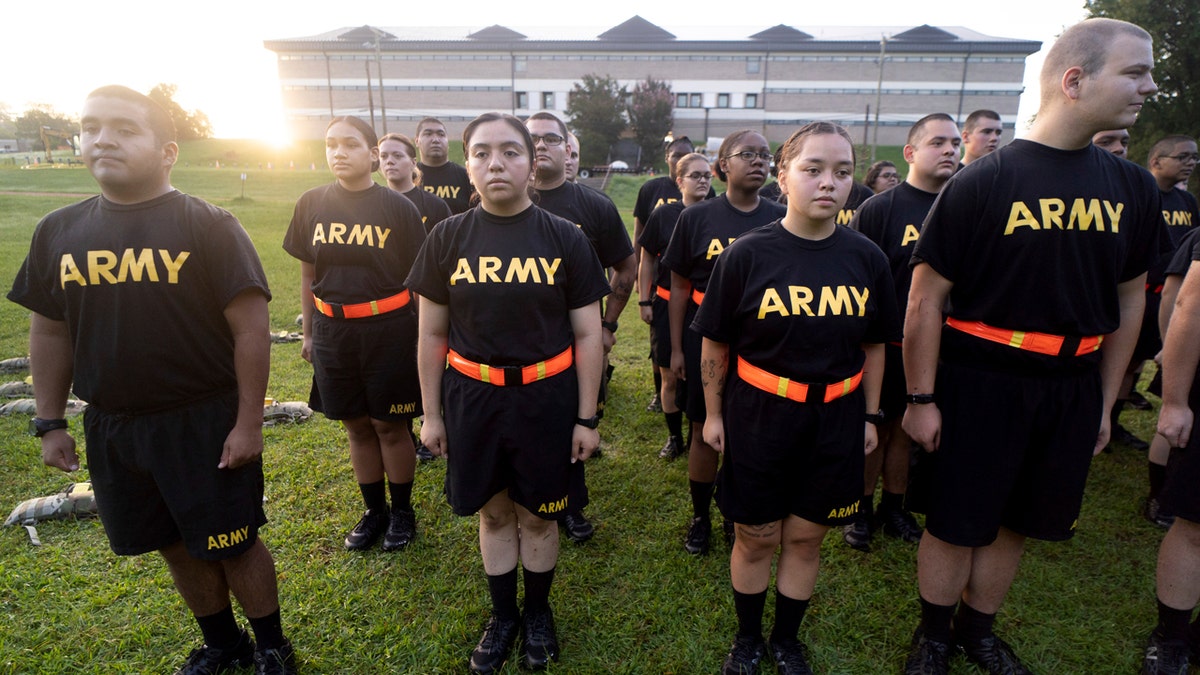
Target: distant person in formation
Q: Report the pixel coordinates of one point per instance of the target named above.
(859, 193)
(701, 234)
(356, 241)
(398, 162)
(653, 194)
(772, 190)
(1011, 383)
(1171, 160)
(694, 177)
(893, 221)
(1115, 141)
(571, 166)
(445, 179)
(515, 412)
(595, 214)
(791, 385)
(882, 176)
(174, 374)
(980, 135)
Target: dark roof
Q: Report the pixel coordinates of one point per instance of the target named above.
(925, 33)
(366, 34)
(781, 33)
(496, 32)
(636, 29)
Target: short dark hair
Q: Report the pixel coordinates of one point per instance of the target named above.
(916, 133)
(973, 119)
(161, 124)
(1166, 145)
(550, 117)
(428, 120)
(363, 128)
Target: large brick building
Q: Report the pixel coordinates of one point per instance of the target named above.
(773, 80)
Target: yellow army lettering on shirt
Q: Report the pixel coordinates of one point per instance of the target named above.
(490, 269)
(553, 507)
(359, 235)
(444, 191)
(715, 247)
(845, 216)
(1100, 215)
(231, 539)
(1177, 218)
(844, 511)
(102, 266)
(661, 201)
(830, 301)
(911, 233)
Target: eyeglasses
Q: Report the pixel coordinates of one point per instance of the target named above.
(750, 156)
(888, 176)
(697, 176)
(548, 139)
(1186, 157)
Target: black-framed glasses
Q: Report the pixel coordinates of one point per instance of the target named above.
(1186, 157)
(750, 155)
(698, 176)
(548, 139)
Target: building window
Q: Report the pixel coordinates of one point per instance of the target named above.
(751, 101)
(522, 100)
(681, 100)
(694, 101)
(722, 100)
(753, 66)
(548, 100)
(519, 65)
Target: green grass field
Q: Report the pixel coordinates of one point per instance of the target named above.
(630, 601)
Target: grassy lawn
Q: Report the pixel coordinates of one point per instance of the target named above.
(629, 601)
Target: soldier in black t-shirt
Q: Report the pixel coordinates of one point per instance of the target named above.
(152, 305)
(445, 179)
(980, 135)
(893, 221)
(859, 193)
(356, 241)
(794, 320)
(510, 293)
(397, 161)
(595, 214)
(1041, 250)
(1115, 141)
(701, 234)
(654, 288)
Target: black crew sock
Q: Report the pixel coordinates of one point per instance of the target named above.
(657, 381)
(1172, 623)
(675, 424)
(789, 612)
(749, 610)
(268, 630)
(1158, 476)
(972, 625)
(374, 496)
(401, 495)
(891, 502)
(503, 589)
(537, 588)
(701, 497)
(935, 621)
(220, 630)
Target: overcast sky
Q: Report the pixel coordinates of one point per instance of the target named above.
(217, 59)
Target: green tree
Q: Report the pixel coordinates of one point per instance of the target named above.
(651, 113)
(597, 110)
(189, 125)
(29, 125)
(1175, 25)
(8, 123)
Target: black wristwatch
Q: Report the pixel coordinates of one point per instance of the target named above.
(589, 422)
(645, 303)
(875, 418)
(919, 399)
(610, 325)
(39, 427)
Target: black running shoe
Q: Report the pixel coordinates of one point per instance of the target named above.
(899, 523)
(1154, 512)
(994, 656)
(857, 535)
(424, 454)
(401, 531)
(539, 639)
(207, 660)
(278, 661)
(1165, 657)
(744, 656)
(673, 448)
(655, 405)
(493, 648)
(369, 528)
(791, 657)
(578, 528)
(927, 657)
(698, 534)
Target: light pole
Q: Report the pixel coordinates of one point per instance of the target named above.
(878, 96)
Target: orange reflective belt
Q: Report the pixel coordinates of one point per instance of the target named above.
(503, 376)
(1042, 343)
(789, 389)
(697, 296)
(362, 309)
(664, 293)
(1157, 290)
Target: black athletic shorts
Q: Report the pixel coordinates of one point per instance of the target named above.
(366, 367)
(693, 392)
(1015, 452)
(156, 480)
(515, 438)
(892, 395)
(660, 333)
(1149, 341)
(787, 458)
(1179, 494)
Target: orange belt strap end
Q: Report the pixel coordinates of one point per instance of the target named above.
(790, 389)
(1041, 343)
